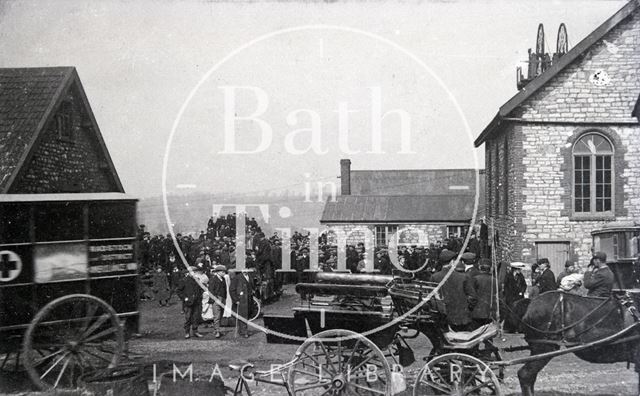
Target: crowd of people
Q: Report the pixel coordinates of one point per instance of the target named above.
(470, 294)
(596, 281)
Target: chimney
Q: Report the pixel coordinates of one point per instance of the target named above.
(345, 177)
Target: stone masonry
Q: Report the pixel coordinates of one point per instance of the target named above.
(529, 161)
(74, 164)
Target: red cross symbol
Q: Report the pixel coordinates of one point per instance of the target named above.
(10, 266)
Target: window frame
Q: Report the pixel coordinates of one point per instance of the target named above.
(388, 229)
(592, 213)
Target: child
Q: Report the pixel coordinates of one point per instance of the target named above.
(161, 286)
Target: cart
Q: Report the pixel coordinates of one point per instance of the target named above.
(68, 283)
(357, 326)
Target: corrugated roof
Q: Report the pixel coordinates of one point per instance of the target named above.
(576, 52)
(27, 95)
(398, 209)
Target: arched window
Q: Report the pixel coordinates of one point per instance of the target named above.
(593, 175)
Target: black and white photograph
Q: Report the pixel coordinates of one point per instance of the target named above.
(319, 198)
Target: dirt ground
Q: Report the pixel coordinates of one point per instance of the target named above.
(161, 345)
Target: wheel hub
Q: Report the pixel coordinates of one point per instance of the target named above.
(73, 346)
(338, 382)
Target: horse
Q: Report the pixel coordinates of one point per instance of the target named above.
(555, 319)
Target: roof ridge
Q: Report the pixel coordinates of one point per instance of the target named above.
(62, 86)
(564, 61)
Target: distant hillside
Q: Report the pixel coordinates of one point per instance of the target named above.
(190, 213)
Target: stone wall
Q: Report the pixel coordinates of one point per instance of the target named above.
(356, 233)
(74, 164)
(539, 138)
(572, 94)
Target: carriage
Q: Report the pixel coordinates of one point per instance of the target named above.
(352, 331)
(351, 327)
(68, 283)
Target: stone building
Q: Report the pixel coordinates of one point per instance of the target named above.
(563, 154)
(49, 139)
(415, 207)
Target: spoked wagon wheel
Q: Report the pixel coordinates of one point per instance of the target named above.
(456, 374)
(68, 336)
(339, 362)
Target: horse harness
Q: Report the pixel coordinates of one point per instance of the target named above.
(624, 301)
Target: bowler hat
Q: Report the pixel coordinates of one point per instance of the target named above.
(568, 264)
(220, 268)
(602, 256)
(543, 261)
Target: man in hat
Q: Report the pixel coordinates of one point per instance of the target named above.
(264, 262)
(598, 278)
(241, 290)
(514, 285)
(546, 280)
(302, 263)
(218, 292)
(569, 268)
(471, 268)
(191, 294)
(457, 293)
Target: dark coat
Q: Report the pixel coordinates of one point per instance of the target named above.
(599, 282)
(383, 264)
(514, 287)
(189, 291)
(485, 289)
(472, 272)
(241, 292)
(458, 296)
(302, 263)
(161, 286)
(218, 288)
(546, 281)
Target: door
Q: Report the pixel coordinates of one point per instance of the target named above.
(556, 252)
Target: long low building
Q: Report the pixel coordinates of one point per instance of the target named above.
(416, 207)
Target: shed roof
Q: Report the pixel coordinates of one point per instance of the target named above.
(399, 209)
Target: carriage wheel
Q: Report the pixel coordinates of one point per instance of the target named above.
(456, 374)
(339, 362)
(68, 336)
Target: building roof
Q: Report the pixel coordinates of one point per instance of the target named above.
(398, 209)
(416, 182)
(28, 100)
(66, 197)
(575, 53)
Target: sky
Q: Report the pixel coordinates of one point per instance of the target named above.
(238, 97)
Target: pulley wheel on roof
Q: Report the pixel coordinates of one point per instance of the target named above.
(540, 41)
(562, 43)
